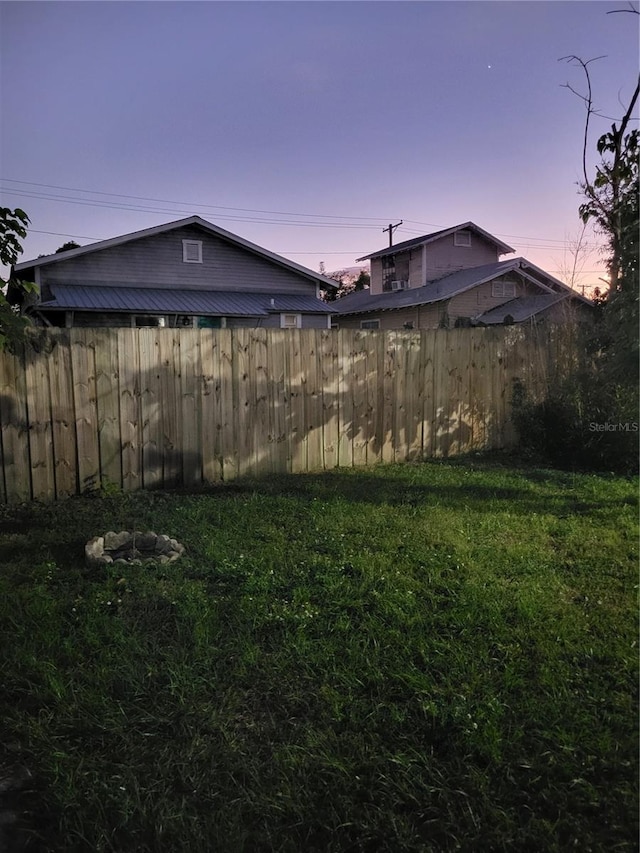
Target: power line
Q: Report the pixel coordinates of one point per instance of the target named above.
(281, 251)
(142, 209)
(514, 236)
(62, 234)
(193, 204)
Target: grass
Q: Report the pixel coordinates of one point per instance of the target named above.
(407, 658)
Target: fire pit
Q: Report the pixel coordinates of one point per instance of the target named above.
(131, 548)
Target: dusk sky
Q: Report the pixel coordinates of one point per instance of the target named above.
(307, 127)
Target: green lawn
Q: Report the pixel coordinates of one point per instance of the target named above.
(409, 658)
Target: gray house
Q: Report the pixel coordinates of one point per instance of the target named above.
(455, 277)
(183, 273)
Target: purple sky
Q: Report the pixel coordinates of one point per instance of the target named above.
(306, 127)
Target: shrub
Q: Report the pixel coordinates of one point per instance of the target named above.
(584, 423)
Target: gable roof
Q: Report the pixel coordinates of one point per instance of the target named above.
(196, 221)
(504, 249)
(451, 285)
(520, 309)
(149, 300)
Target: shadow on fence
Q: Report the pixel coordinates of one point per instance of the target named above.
(163, 408)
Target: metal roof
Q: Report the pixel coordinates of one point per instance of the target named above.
(520, 309)
(59, 257)
(436, 235)
(451, 285)
(434, 291)
(80, 297)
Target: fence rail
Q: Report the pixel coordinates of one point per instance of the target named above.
(147, 408)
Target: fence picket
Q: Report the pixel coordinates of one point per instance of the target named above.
(15, 428)
(211, 465)
(190, 406)
(62, 424)
(169, 352)
(226, 405)
(130, 422)
(359, 396)
(150, 407)
(108, 406)
(330, 409)
(40, 432)
(85, 408)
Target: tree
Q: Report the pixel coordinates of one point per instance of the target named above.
(611, 197)
(603, 388)
(346, 285)
(577, 253)
(66, 247)
(611, 204)
(13, 229)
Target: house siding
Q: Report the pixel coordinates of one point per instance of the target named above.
(157, 262)
(309, 321)
(375, 284)
(479, 299)
(443, 257)
(415, 267)
(422, 317)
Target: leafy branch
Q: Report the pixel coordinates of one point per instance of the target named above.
(13, 229)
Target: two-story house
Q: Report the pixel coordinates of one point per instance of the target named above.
(184, 273)
(454, 277)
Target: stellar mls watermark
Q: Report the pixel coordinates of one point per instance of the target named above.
(627, 426)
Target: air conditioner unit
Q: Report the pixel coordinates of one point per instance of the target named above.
(399, 285)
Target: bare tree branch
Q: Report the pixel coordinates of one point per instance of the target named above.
(630, 11)
(588, 100)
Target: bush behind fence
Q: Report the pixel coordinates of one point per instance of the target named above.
(82, 409)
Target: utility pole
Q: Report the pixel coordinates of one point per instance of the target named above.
(391, 229)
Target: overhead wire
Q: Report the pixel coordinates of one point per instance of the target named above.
(540, 244)
(190, 205)
(280, 251)
(543, 241)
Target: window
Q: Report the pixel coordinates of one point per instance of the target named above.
(369, 324)
(291, 321)
(503, 288)
(192, 251)
(462, 238)
(388, 271)
(139, 321)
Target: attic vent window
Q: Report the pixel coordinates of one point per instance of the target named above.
(192, 251)
(462, 238)
(503, 288)
(291, 321)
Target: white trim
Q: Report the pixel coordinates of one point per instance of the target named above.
(368, 324)
(503, 288)
(187, 246)
(458, 238)
(297, 318)
(430, 238)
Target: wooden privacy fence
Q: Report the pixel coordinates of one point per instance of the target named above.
(147, 408)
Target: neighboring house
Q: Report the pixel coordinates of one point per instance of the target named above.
(184, 273)
(455, 277)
